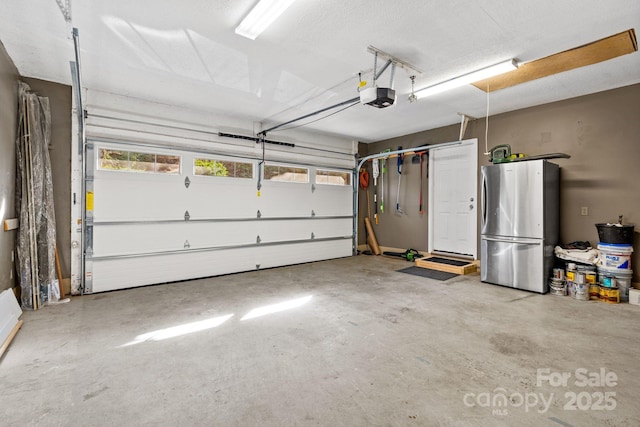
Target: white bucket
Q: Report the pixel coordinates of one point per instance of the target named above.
(615, 256)
(622, 280)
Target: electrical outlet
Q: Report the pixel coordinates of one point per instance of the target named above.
(584, 211)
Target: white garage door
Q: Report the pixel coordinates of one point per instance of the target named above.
(157, 215)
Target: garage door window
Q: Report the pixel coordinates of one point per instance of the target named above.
(286, 173)
(225, 168)
(332, 177)
(131, 161)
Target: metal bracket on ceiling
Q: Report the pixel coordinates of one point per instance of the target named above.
(395, 61)
(464, 120)
(65, 8)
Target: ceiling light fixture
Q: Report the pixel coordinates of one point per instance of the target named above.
(412, 95)
(474, 76)
(261, 16)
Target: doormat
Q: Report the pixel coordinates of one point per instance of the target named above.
(456, 262)
(427, 272)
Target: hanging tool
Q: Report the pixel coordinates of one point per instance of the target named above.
(400, 160)
(383, 168)
(419, 158)
(364, 185)
(375, 165)
(383, 163)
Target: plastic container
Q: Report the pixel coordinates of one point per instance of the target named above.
(615, 256)
(615, 234)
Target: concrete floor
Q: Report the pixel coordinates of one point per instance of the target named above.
(371, 347)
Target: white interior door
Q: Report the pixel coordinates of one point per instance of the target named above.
(453, 221)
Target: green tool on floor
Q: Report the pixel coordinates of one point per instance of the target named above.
(409, 254)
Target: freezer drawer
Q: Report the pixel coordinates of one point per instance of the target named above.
(514, 262)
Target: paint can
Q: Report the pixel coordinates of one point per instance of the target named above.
(608, 281)
(557, 287)
(580, 278)
(617, 278)
(594, 292)
(558, 274)
(581, 291)
(571, 272)
(615, 256)
(590, 277)
(609, 295)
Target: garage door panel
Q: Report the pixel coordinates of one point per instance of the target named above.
(113, 274)
(283, 199)
(333, 228)
(279, 231)
(304, 252)
(119, 198)
(141, 238)
(333, 200)
(110, 274)
(209, 198)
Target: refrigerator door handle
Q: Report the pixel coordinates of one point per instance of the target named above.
(517, 241)
(483, 200)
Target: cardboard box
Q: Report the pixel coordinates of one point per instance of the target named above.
(634, 296)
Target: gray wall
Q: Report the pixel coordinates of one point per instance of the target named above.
(601, 132)
(8, 126)
(60, 104)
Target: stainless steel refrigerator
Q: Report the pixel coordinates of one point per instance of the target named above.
(520, 222)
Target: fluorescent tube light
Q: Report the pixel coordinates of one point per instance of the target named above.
(474, 76)
(261, 16)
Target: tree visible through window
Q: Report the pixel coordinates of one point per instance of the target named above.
(129, 161)
(217, 167)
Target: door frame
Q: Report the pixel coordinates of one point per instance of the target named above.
(472, 144)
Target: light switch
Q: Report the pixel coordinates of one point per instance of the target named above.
(584, 211)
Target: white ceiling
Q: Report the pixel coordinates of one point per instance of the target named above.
(186, 53)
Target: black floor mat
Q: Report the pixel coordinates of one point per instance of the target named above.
(447, 261)
(429, 273)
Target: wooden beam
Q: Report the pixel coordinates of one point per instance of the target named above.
(13, 333)
(588, 54)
